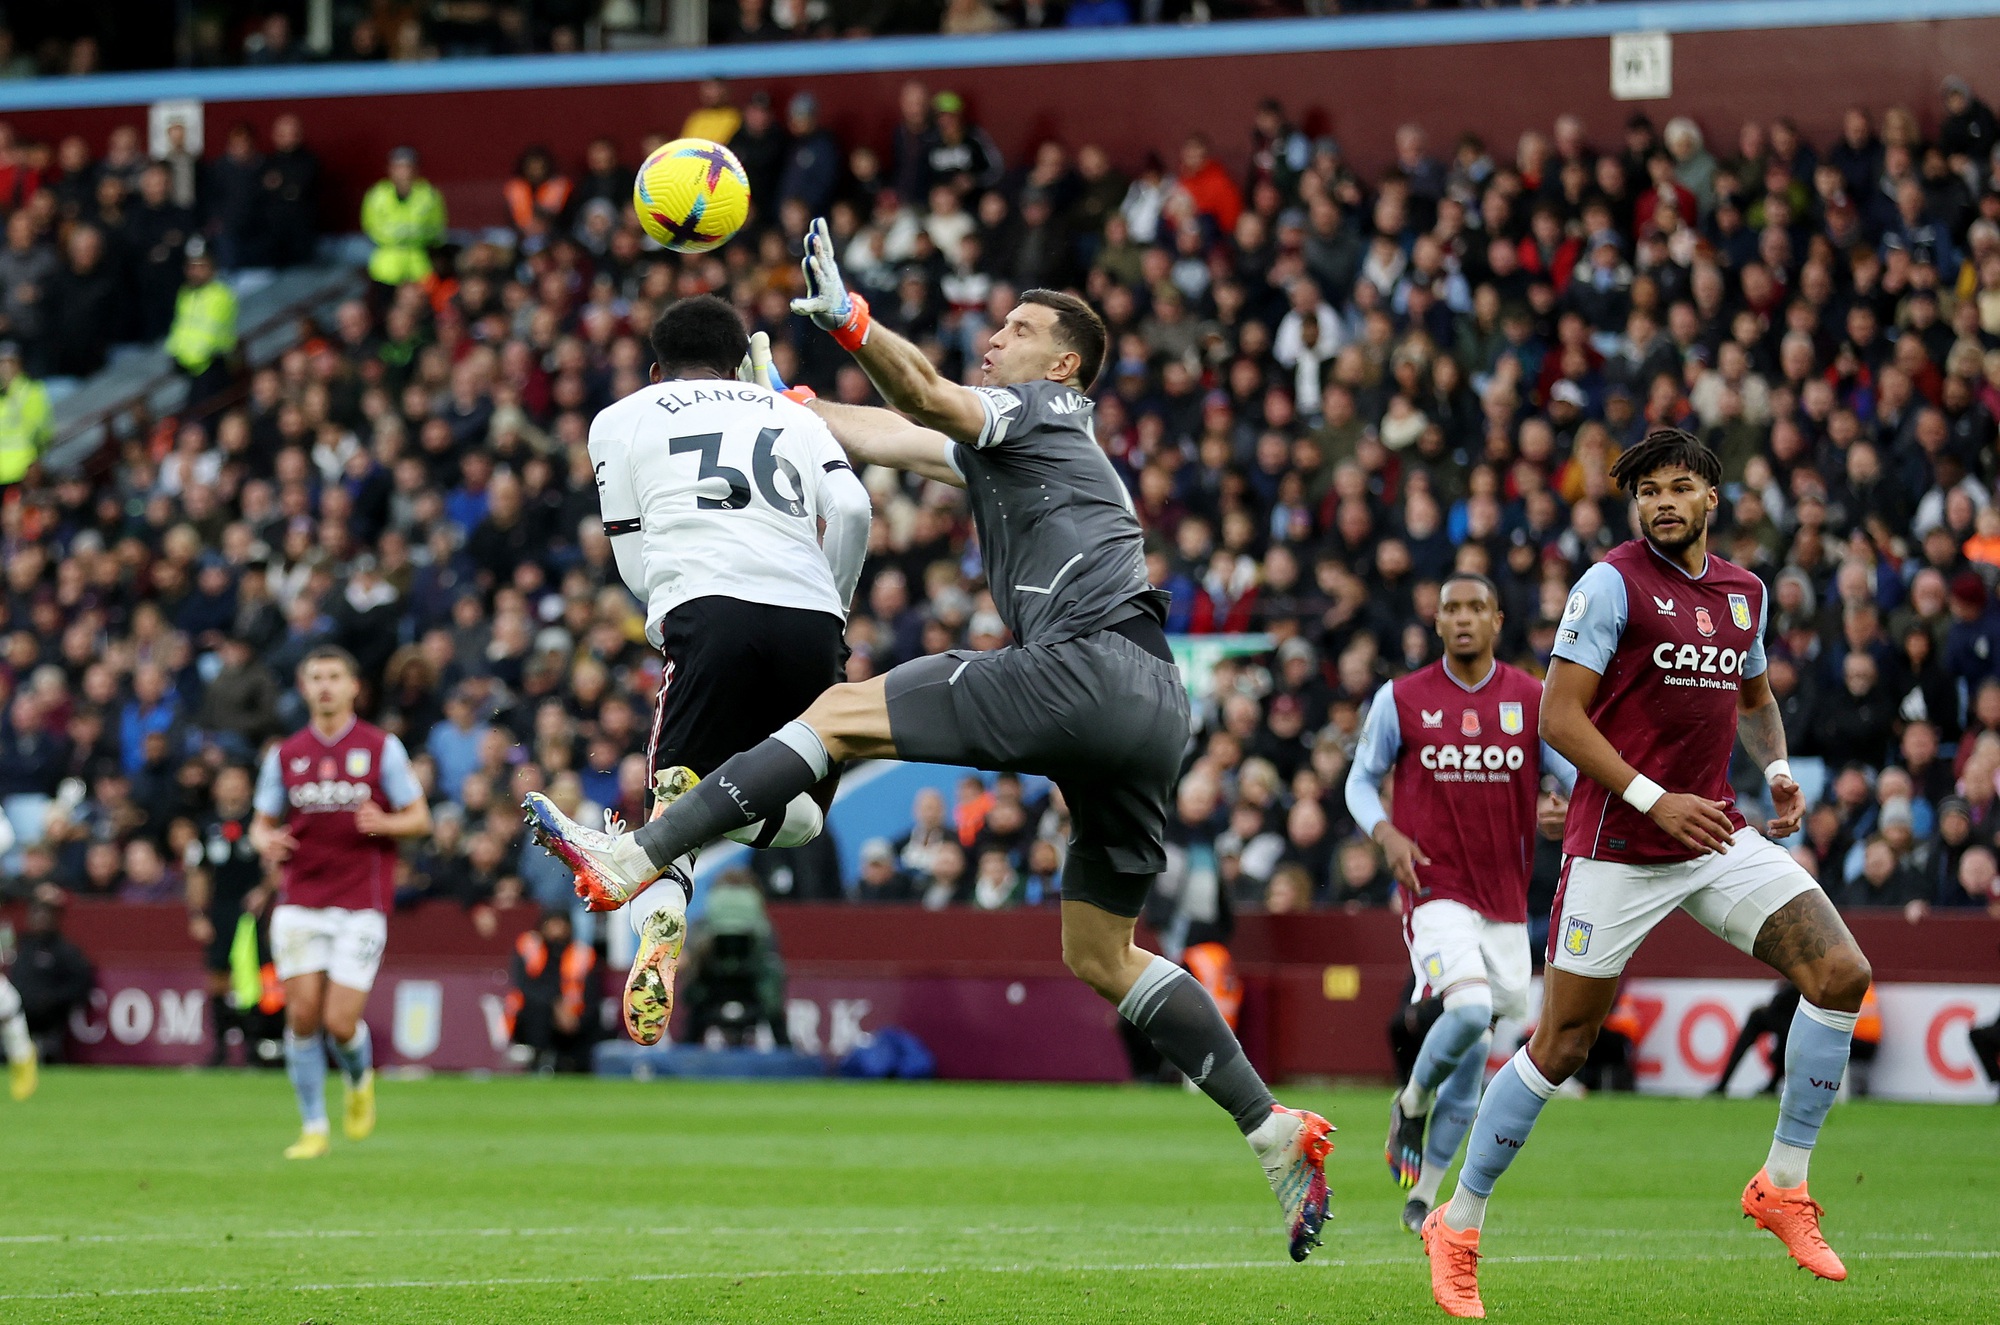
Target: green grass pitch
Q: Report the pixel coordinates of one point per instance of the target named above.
(161, 1196)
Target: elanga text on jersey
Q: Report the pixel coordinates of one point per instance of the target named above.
(686, 396)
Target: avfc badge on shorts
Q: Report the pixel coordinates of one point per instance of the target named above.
(1434, 968)
(1576, 937)
(1468, 723)
(1703, 622)
(1510, 719)
(357, 763)
(1739, 611)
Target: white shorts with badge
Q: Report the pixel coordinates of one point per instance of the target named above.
(346, 945)
(1604, 909)
(1452, 945)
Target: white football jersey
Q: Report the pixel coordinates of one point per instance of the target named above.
(725, 483)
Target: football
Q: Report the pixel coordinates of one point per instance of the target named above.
(691, 195)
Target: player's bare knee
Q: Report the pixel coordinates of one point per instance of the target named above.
(834, 718)
(1838, 981)
(302, 1019)
(1095, 964)
(341, 1027)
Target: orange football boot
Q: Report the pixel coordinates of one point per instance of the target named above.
(1794, 1216)
(1454, 1267)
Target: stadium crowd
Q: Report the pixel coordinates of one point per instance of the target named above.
(1325, 390)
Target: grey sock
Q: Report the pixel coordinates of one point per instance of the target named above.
(756, 784)
(1184, 1024)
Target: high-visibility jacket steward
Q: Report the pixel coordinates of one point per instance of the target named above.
(204, 326)
(404, 230)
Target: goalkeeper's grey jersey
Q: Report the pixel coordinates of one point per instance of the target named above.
(1061, 545)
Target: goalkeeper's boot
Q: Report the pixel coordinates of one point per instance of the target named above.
(602, 881)
(1292, 1145)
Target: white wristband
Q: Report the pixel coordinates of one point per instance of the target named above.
(1642, 793)
(1777, 768)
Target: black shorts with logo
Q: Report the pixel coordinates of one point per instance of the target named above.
(736, 672)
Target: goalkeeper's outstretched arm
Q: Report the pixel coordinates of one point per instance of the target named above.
(880, 437)
(907, 380)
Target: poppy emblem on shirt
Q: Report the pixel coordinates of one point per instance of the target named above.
(1432, 717)
(357, 763)
(1468, 723)
(1703, 622)
(1510, 719)
(326, 769)
(1739, 611)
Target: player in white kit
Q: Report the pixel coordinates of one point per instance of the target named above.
(736, 518)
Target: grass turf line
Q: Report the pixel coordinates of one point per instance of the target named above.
(161, 1197)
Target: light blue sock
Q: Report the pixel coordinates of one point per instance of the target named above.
(1457, 1105)
(1445, 1046)
(1513, 1101)
(357, 1055)
(1815, 1062)
(305, 1064)
(1451, 1114)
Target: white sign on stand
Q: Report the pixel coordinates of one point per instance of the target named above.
(184, 111)
(1642, 66)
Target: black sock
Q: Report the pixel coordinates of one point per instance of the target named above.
(757, 784)
(1182, 1021)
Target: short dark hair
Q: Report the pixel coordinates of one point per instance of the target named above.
(333, 652)
(1471, 577)
(699, 332)
(1078, 327)
(1666, 448)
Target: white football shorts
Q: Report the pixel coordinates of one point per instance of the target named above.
(1452, 945)
(1604, 909)
(345, 944)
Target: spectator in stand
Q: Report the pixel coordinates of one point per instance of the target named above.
(89, 310)
(881, 880)
(538, 199)
(202, 337)
(290, 195)
(26, 424)
(232, 185)
(713, 117)
(1209, 188)
(404, 217)
(958, 152)
(812, 158)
